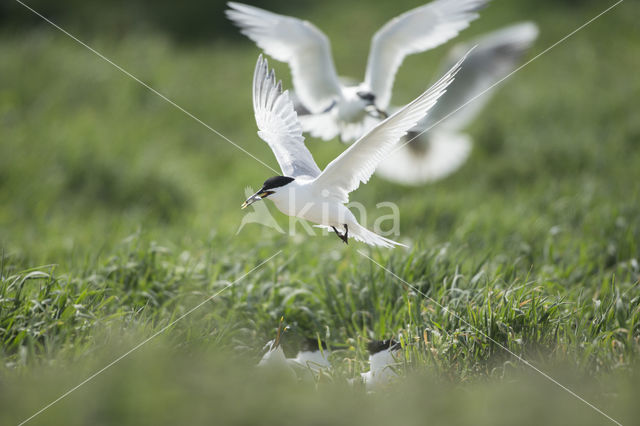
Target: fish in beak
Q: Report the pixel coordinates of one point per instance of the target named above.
(371, 107)
(256, 197)
(376, 112)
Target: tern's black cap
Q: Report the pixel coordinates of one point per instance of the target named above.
(276, 182)
(311, 345)
(376, 346)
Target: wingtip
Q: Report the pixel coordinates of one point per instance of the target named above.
(262, 66)
(234, 10)
(235, 5)
(520, 35)
(456, 68)
(467, 53)
(259, 67)
(274, 81)
(265, 74)
(528, 29)
(477, 5)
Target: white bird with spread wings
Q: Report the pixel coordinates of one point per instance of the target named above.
(437, 146)
(304, 190)
(334, 108)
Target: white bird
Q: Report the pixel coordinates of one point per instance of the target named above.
(309, 361)
(313, 357)
(437, 145)
(383, 356)
(336, 108)
(274, 357)
(319, 196)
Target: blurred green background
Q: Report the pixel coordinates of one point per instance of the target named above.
(118, 213)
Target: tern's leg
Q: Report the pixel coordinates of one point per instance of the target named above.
(345, 237)
(342, 237)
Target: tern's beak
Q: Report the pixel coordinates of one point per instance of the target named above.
(376, 112)
(256, 197)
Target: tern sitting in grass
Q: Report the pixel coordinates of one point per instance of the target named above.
(310, 360)
(313, 355)
(383, 356)
(304, 190)
(332, 107)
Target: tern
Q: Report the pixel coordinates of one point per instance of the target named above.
(274, 356)
(333, 107)
(383, 356)
(313, 356)
(304, 190)
(436, 147)
(309, 361)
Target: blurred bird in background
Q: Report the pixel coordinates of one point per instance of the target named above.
(436, 147)
(327, 106)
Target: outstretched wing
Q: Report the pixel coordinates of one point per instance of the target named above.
(415, 31)
(299, 43)
(358, 162)
(497, 54)
(278, 124)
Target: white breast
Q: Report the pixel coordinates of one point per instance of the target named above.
(299, 200)
(350, 107)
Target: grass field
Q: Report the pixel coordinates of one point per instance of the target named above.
(118, 214)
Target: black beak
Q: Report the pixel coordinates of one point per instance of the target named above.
(256, 197)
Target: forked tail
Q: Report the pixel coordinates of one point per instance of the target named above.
(362, 234)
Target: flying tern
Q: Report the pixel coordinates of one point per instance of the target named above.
(334, 107)
(304, 190)
(437, 147)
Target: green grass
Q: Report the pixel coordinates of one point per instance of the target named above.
(118, 214)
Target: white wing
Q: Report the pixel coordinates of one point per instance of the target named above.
(358, 162)
(278, 124)
(304, 47)
(497, 54)
(414, 31)
(431, 156)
